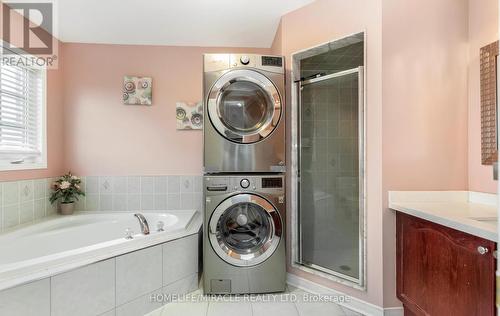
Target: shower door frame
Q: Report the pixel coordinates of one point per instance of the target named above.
(296, 243)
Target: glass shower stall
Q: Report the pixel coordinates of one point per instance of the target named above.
(330, 164)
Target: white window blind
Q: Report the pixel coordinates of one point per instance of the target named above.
(21, 99)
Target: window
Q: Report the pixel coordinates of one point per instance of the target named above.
(22, 117)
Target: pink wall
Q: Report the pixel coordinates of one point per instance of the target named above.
(424, 106)
(323, 21)
(55, 131)
(483, 29)
(276, 46)
(103, 136)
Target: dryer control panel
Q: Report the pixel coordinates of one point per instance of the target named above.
(218, 62)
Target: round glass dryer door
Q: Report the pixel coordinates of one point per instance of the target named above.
(245, 230)
(244, 106)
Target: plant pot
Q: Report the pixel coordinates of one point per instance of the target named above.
(67, 208)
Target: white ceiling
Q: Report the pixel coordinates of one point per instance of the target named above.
(239, 23)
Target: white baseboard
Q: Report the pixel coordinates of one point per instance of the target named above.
(394, 311)
(354, 304)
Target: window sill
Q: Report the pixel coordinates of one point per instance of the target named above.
(23, 166)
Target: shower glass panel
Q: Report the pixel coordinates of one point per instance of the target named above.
(330, 167)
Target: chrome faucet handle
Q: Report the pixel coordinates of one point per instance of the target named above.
(159, 226)
(128, 233)
(143, 222)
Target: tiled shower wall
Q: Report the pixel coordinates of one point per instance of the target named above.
(335, 60)
(329, 174)
(22, 202)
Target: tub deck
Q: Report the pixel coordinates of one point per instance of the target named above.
(63, 243)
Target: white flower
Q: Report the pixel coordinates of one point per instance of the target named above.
(74, 178)
(64, 185)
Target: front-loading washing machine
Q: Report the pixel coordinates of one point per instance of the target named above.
(244, 237)
(244, 129)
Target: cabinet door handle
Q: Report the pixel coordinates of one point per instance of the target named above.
(482, 250)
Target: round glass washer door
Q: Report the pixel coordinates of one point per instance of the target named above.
(245, 230)
(244, 106)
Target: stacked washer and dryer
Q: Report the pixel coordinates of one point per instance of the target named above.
(244, 182)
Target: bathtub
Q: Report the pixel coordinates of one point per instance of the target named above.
(63, 243)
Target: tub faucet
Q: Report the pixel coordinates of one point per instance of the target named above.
(143, 222)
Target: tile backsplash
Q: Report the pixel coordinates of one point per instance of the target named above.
(129, 193)
(26, 201)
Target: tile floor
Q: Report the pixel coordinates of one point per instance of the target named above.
(255, 305)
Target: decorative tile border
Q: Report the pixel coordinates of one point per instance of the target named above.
(26, 201)
(130, 193)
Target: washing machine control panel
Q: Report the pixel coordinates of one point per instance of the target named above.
(272, 182)
(217, 185)
(244, 183)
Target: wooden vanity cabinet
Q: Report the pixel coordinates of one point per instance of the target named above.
(442, 271)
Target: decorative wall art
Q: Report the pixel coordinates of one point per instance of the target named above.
(488, 89)
(189, 115)
(137, 90)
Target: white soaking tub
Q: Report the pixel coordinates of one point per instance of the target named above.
(62, 243)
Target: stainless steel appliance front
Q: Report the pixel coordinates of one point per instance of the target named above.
(244, 128)
(244, 246)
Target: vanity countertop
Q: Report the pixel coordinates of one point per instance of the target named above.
(470, 212)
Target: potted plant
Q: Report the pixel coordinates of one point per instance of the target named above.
(66, 190)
